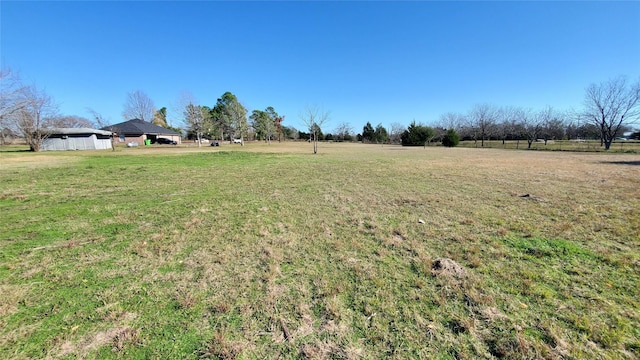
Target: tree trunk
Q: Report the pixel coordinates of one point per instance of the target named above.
(315, 143)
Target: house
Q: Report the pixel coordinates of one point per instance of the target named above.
(138, 131)
(76, 139)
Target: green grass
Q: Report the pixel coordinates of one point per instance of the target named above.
(268, 251)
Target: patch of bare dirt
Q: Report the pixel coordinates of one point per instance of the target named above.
(449, 268)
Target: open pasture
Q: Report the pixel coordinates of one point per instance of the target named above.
(618, 146)
(360, 251)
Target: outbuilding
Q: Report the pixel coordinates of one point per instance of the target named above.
(76, 139)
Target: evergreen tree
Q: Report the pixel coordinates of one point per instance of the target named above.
(451, 138)
(417, 135)
(368, 133)
(381, 135)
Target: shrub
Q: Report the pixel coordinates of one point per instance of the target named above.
(451, 138)
(417, 135)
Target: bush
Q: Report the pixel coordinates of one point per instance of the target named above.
(451, 138)
(417, 135)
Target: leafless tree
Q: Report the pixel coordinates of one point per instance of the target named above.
(553, 126)
(508, 124)
(395, 132)
(452, 120)
(176, 110)
(482, 119)
(533, 124)
(313, 119)
(35, 118)
(612, 105)
(343, 131)
(70, 121)
(138, 106)
(101, 123)
(11, 102)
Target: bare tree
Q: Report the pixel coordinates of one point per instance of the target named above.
(138, 106)
(70, 121)
(11, 102)
(553, 126)
(34, 119)
(343, 131)
(503, 125)
(533, 123)
(395, 132)
(313, 119)
(176, 109)
(482, 119)
(612, 105)
(101, 123)
(514, 123)
(508, 125)
(452, 120)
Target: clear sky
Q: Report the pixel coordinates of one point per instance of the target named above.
(381, 62)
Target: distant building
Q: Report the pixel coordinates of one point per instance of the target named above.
(76, 139)
(138, 131)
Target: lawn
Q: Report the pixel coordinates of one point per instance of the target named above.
(360, 251)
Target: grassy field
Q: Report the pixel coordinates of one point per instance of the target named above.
(621, 146)
(360, 251)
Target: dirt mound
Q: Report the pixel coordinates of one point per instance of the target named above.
(448, 267)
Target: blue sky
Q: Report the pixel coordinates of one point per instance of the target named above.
(381, 62)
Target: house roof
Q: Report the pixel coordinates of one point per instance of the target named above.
(139, 127)
(77, 131)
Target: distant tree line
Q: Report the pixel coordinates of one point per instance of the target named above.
(611, 109)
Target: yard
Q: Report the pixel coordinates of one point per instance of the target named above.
(361, 251)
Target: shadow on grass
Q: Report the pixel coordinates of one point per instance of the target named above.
(635, 162)
(14, 150)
